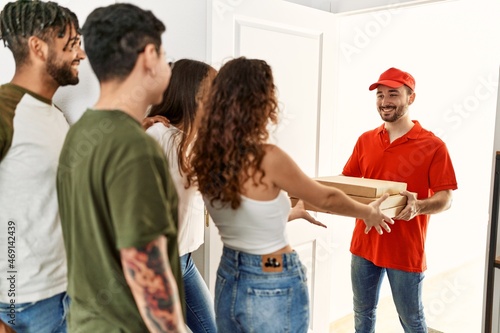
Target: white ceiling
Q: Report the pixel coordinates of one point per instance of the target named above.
(344, 6)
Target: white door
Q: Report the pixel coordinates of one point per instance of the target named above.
(299, 44)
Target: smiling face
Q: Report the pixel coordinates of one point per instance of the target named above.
(393, 103)
(64, 57)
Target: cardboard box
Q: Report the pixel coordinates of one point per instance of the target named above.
(365, 190)
(363, 187)
(393, 211)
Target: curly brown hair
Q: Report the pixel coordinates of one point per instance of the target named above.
(230, 145)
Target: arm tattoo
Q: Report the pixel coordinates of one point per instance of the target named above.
(149, 274)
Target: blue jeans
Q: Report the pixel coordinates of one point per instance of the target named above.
(406, 288)
(200, 312)
(45, 316)
(247, 299)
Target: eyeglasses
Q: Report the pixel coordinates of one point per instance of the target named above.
(73, 44)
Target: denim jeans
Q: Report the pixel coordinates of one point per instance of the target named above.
(406, 288)
(200, 312)
(247, 299)
(45, 316)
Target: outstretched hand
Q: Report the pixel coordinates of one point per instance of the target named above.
(298, 212)
(149, 121)
(377, 219)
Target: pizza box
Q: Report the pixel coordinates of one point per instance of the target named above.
(393, 211)
(362, 187)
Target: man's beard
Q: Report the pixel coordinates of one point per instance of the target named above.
(398, 113)
(61, 72)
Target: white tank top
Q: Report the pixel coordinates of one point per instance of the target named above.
(256, 227)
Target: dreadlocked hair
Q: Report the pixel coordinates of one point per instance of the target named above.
(22, 19)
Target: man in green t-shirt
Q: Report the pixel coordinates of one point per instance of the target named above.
(117, 201)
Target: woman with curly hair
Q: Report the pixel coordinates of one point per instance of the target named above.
(261, 283)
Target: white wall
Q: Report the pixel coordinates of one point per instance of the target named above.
(342, 6)
(185, 37)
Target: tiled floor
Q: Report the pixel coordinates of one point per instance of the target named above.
(453, 303)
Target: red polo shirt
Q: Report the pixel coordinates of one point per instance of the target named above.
(420, 159)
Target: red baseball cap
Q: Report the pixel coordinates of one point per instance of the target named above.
(394, 78)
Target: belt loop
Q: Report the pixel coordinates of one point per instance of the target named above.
(237, 257)
(290, 260)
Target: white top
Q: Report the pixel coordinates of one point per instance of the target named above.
(28, 199)
(191, 208)
(256, 227)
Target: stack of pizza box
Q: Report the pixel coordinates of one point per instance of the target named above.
(365, 190)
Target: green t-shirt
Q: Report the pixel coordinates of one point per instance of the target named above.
(114, 192)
